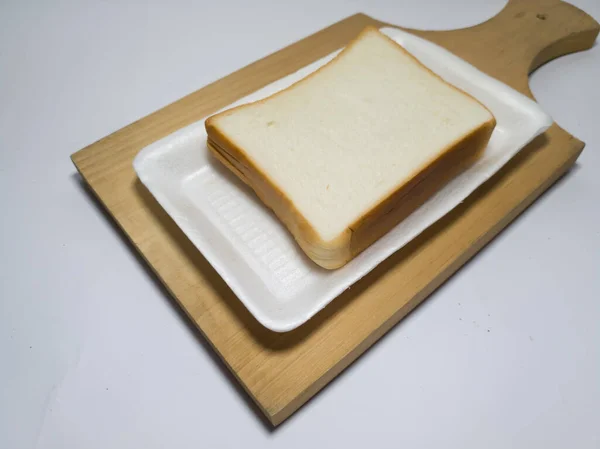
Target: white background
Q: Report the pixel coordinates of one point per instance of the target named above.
(94, 354)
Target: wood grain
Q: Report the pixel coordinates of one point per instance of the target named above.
(282, 371)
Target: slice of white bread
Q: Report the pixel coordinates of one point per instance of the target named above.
(345, 154)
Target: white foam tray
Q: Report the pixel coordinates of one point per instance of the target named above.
(254, 253)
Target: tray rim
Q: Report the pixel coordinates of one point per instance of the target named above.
(144, 157)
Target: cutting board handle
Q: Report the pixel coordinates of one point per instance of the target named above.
(519, 39)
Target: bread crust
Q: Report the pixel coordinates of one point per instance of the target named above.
(391, 210)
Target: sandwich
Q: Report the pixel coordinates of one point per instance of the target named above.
(348, 152)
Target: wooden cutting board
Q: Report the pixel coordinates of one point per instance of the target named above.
(282, 371)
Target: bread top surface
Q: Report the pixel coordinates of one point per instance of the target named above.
(344, 138)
